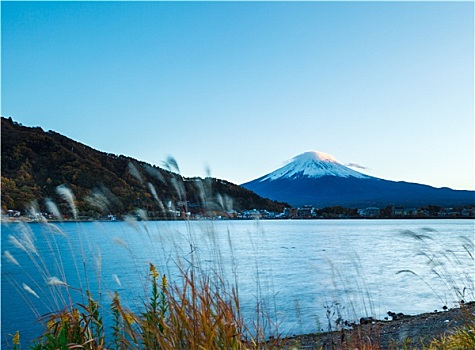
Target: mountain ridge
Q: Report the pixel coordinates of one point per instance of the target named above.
(318, 179)
(35, 162)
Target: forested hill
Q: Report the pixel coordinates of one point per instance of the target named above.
(35, 163)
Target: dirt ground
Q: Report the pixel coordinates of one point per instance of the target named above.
(410, 331)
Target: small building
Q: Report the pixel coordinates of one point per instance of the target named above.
(410, 212)
(468, 212)
(251, 214)
(369, 212)
(13, 213)
(305, 212)
(397, 211)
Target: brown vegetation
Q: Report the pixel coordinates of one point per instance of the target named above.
(35, 163)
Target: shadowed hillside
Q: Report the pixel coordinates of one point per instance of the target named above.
(35, 163)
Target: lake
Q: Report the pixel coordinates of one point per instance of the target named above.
(303, 273)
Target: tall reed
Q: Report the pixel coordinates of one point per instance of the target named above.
(199, 308)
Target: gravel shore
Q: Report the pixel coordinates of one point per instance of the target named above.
(411, 331)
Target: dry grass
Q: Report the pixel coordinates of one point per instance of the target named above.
(198, 311)
(199, 314)
(462, 338)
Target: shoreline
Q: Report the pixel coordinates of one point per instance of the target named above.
(415, 331)
(31, 221)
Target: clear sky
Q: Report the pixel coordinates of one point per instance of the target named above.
(241, 87)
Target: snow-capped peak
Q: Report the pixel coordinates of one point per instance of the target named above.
(313, 164)
(315, 155)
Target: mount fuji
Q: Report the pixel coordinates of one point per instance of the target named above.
(318, 179)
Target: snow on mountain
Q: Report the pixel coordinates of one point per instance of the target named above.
(318, 179)
(313, 164)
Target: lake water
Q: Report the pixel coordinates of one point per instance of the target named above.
(297, 270)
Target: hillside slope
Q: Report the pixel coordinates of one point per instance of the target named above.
(35, 162)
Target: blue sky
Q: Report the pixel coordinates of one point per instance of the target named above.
(241, 87)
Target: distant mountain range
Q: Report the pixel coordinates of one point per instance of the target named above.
(35, 162)
(318, 179)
